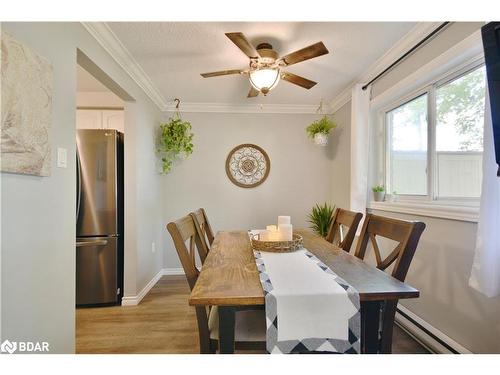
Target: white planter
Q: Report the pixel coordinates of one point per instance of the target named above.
(321, 139)
(379, 196)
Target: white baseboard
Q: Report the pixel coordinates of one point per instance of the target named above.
(425, 339)
(135, 300)
(173, 271)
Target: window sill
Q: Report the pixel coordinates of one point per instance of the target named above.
(430, 209)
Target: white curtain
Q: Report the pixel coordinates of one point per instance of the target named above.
(360, 112)
(485, 274)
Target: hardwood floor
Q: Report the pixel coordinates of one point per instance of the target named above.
(162, 323)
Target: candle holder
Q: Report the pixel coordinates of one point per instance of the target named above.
(277, 246)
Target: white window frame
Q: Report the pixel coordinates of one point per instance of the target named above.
(464, 209)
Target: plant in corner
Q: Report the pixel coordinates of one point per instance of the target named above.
(175, 139)
(378, 193)
(321, 218)
(320, 129)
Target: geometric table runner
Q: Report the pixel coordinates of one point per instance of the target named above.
(308, 306)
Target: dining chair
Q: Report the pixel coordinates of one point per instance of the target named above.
(343, 228)
(204, 230)
(407, 235)
(250, 325)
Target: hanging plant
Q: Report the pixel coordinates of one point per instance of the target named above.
(175, 140)
(320, 129)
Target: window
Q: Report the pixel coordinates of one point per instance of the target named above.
(408, 147)
(435, 139)
(459, 135)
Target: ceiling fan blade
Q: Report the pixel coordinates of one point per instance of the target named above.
(243, 44)
(253, 92)
(314, 50)
(221, 73)
(298, 80)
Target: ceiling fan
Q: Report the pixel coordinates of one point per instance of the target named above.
(266, 67)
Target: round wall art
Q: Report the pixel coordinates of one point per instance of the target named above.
(247, 165)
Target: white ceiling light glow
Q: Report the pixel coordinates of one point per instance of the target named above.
(265, 79)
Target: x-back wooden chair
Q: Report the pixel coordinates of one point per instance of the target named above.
(250, 325)
(407, 235)
(204, 230)
(338, 234)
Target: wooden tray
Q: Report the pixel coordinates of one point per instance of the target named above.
(277, 246)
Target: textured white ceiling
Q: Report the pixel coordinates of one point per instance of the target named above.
(173, 54)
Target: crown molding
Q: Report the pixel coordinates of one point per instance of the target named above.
(417, 33)
(244, 108)
(110, 42)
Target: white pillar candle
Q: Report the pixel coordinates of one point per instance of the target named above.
(264, 235)
(283, 220)
(272, 228)
(285, 231)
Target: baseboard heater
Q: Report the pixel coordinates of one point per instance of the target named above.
(426, 331)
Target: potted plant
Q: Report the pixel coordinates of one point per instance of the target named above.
(175, 139)
(378, 193)
(321, 218)
(320, 129)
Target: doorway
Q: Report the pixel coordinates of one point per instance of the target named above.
(100, 128)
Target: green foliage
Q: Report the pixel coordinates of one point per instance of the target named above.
(461, 103)
(175, 139)
(321, 218)
(378, 188)
(323, 125)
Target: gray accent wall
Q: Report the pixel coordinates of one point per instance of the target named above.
(38, 214)
(300, 173)
(341, 167)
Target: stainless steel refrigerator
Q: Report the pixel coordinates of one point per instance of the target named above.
(99, 217)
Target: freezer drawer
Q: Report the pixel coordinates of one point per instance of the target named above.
(96, 270)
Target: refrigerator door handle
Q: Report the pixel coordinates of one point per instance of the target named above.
(79, 186)
(91, 243)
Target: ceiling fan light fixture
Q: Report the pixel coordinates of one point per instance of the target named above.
(264, 79)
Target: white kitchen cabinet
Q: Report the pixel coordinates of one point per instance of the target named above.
(100, 119)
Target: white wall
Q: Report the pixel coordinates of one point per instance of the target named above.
(300, 173)
(442, 263)
(97, 99)
(38, 214)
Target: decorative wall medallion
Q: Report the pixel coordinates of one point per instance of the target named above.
(247, 165)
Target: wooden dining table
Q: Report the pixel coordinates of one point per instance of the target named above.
(229, 279)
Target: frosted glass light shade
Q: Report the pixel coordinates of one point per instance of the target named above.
(264, 80)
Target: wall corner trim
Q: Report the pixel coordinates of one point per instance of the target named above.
(418, 32)
(103, 34)
(135, 300)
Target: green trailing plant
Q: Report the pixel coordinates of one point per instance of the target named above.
(324, 125)
(378, 188)
(175, 139)
(321, 218)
